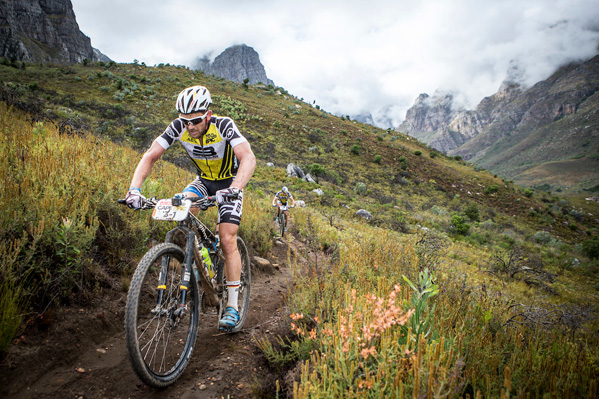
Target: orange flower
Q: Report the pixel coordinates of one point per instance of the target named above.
(367, 352)
(297, 316)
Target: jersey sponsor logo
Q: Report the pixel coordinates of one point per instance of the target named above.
(204, 152)
(210, 137)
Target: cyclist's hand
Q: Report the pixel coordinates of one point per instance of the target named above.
(227, 195)
(134, 199)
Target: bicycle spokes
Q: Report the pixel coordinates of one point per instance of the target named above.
(165, 328)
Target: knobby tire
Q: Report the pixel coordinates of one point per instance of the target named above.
(159, 346)
(282, 223)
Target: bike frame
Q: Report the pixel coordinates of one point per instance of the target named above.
(192, 228)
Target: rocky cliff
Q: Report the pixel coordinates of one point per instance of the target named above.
(515, 129)
(43, 31)
(236, 63)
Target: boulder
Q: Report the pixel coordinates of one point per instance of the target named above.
(295, 171)
(308, 177)
(364, 214)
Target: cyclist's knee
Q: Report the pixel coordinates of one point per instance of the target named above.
(228, 237)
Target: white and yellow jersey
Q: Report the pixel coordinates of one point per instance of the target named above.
(215, 159)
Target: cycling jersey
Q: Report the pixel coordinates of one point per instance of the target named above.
(283, 197)
(215, 160)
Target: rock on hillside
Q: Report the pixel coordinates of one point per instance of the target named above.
(236, 64)
(43, 31)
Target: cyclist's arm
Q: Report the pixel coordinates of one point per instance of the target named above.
(274, 201)
(292, 200)
(247, 164)
(145, 164)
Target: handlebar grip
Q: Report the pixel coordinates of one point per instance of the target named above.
(123, 201)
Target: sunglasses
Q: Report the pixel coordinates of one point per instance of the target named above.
(194, 121)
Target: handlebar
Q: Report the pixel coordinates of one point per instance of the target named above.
(201, 202)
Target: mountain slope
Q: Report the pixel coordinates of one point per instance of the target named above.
(356, 165)
(515, 129)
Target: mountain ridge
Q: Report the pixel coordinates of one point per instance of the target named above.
(517, 129)
(44, 31)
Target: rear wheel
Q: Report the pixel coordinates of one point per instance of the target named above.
(160, 335)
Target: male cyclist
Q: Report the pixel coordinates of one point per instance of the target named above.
(281, 198)
(225, 163)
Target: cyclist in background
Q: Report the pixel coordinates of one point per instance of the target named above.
(225, 163)
(281, 198)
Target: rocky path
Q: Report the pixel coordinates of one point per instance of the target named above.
(80, 352)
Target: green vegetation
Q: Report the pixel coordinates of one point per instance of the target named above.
(461, 284)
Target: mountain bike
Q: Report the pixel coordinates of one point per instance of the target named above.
(173, 282)
(282, 218)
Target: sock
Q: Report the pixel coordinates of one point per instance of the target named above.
(233, 293)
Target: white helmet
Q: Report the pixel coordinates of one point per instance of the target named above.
(284, 189)
(193, 99)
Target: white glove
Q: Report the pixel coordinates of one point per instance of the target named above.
(134, 199)
(224, 196)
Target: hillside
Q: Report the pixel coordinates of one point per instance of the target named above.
(133, 104)
(507, 264)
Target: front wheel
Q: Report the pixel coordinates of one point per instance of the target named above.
(283, 223)
(244, 287)
(159, 333)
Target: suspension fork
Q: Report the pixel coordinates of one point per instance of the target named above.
(185, 272)
(186, 277)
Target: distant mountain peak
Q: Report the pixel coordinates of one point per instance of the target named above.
(236, 63)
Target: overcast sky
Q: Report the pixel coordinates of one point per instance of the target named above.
(354, 57)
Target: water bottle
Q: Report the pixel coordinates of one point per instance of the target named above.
(207, 261)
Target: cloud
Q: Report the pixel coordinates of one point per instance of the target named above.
(354, 57)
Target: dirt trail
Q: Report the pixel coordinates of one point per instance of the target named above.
(82, 354)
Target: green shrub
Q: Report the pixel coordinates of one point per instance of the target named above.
(491, 189)
(360, 188)
(472, 212)
(402, 162)
(542, 237)
(577, 215)
(458, 225)
(591, 248)
(377, 159)
(355, 149)
(417, 153)
(438, 210)
(317, 169)
(528, 192)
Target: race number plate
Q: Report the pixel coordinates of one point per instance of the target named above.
(165, 210)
